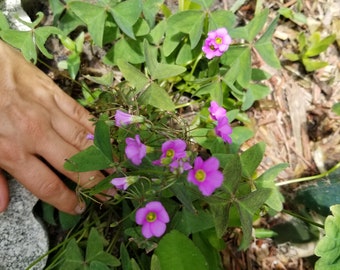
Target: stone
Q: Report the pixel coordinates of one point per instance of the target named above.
(23, 239)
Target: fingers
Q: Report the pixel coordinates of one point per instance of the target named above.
(43, 183)
(75, 111)
(55, 150)
(70, 130)
(4, 193)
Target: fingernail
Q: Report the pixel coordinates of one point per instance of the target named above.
(80, 208)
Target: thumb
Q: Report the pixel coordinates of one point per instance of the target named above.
(4, 192)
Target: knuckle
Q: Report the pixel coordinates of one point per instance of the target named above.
(79, 137)
(50, 189)
(11, 155)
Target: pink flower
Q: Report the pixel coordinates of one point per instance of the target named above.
(216, 43)
(223, 129)
(124, 119)
(124, 182)
(153, 218)
(206, 175)
(135, 150)
(216, 111)
(172, 150)
(90, 136)
(180, 165)
(174, 155)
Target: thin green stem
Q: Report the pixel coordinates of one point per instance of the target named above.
(303, 218)
(196, 63)
(309, 178)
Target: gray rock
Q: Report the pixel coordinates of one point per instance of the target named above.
(23, 239)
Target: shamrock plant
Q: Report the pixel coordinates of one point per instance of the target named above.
(177, 186)
(310, 48)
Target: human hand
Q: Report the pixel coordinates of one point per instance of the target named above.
(39, 121)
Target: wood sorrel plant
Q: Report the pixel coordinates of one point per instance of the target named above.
(181, 185)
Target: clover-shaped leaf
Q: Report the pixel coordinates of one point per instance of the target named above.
(328, 247)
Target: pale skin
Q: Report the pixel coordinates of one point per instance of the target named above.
(38, 121)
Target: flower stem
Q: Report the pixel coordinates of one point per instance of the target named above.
(309, 178)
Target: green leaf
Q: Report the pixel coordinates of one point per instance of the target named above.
(291, 56)
(241, 57)
(259, 75)
(239, 136)
(328, 248)
(3, 22)
(210, 253)
(186, 22)
(105, 79)
(171, 41)
(103, 257)
(296, 17)
(150, 10)
(221, 18)
(256, 24)
(73, 258)
(214, 89)
(194, 222)
(220, 212)
(68, 221)
(247, 207)
(184, 56)
(189, 22)
(159, 71)
(232, 172)
(157, 97)
(95, 245)
(302, 42)
(176, 251)
(93, 16)
(22, 40)
(133, 75)
(254, 92)
(317, 46)
(41, 34)
(95, 265)
(124, 257)
(126, 15)
(141, 28)
(251, 159)
(264, 46)
(102, 137)
(90, 159)
(73, 64)
(125, 49)
(155, 264)
(157, 33)
(267, 180)
(48, 213)
(336, 108)
(312, 64)
(183, 195)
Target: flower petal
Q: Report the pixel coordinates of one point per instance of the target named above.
(146, 230)
(157, 228)
(163, 216)
(140, 215)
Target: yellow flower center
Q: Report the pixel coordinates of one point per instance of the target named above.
(218, 40)
(170, 153)
(212, 47)
(200, 175)
(151, 217)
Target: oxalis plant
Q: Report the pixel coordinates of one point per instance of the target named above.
(178, 185)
